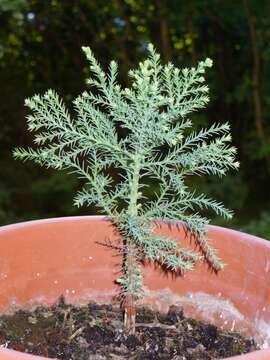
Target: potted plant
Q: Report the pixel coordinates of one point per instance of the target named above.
(143, 132)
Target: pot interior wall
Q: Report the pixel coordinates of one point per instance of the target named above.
(42, 260)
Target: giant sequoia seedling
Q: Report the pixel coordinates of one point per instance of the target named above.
(157, 143)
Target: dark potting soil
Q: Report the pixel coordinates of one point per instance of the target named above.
(95, 332)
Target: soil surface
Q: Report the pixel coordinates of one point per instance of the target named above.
(95, 332)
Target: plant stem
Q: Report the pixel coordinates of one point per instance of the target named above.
(131, 265)
(130, 300)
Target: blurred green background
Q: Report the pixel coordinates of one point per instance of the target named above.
(40, 48)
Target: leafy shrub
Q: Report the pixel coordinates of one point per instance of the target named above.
(145, 134)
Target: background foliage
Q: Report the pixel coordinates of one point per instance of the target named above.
(40, 48)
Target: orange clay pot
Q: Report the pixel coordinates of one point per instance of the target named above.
(41, 260)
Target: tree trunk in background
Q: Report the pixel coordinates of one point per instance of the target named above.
(123, 41)
(256, 72)
(191, 31)
(164, 29)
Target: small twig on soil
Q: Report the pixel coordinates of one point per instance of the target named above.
(117, 357)
(77, 332)
(151, 325)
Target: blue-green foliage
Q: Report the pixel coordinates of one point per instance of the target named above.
(156, 143)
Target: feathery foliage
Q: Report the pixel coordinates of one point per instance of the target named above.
(158, 144)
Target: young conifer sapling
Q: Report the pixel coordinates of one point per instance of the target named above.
(156, 143)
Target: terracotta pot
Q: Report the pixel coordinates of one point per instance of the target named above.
(41, 260)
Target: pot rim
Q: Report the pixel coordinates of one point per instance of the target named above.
(80, 218)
